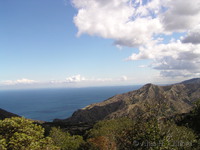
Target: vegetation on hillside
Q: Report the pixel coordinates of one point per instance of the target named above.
(22, 134)
(64, 140)
(150, 133)
(127, 135)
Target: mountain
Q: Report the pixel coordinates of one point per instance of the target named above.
(192, 81)
(163, 101)
(5, 114)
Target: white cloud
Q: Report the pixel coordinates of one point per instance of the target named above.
(19, 81)
(124, 78)
(173, 74)
(75, 79)
(181, 15)
(171, 49)
(193, 36)
(79, 78)
(139, 23)
(134, 23)
(72, 81)
(101, 80)
(172, 59)
(118, 79)
(128, 23)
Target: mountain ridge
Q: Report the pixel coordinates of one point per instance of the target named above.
(164, 100)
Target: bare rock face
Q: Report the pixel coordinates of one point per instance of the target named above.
(164, 101)
(5, 114)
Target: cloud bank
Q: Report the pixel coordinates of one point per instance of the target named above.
(71, 81)
(23, 81)
(78, 78)
(145, 24)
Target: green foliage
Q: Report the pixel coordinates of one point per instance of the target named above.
(109, 128)
(192, 120)
(64, 140)
(196, 109)
(3, 144)
(21, 134)
(177, 137)
(99, 143)
(109, 131)
(141, 134)
(195, 117)
(145, 133)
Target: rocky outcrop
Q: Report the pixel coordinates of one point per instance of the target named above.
(163, 101)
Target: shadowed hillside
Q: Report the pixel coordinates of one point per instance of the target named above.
(164, 101)
(5, 114)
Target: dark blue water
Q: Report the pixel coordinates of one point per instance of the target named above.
(48, 104)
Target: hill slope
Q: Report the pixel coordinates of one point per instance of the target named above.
(163, 101)
(5, 114)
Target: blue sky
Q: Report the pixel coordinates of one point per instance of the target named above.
(60, 43)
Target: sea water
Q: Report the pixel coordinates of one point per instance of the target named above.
(49, 104)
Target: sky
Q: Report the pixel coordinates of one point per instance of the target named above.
(82, 43)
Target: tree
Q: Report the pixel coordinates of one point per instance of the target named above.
(22, 134)
(150, 134)
(105, 134)
(2, 143)
(64, 140)
(100, 143)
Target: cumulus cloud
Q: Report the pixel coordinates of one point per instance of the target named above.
(181, 15)
(75, 79)
(173, 59)
(141, 24)
(193, 36)
(128, 23)
(20, 81)
(135, 22)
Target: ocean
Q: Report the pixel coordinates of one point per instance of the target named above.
(49, 104)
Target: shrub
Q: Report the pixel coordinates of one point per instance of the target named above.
(141, 134)
(22, 134)
(64, 140)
